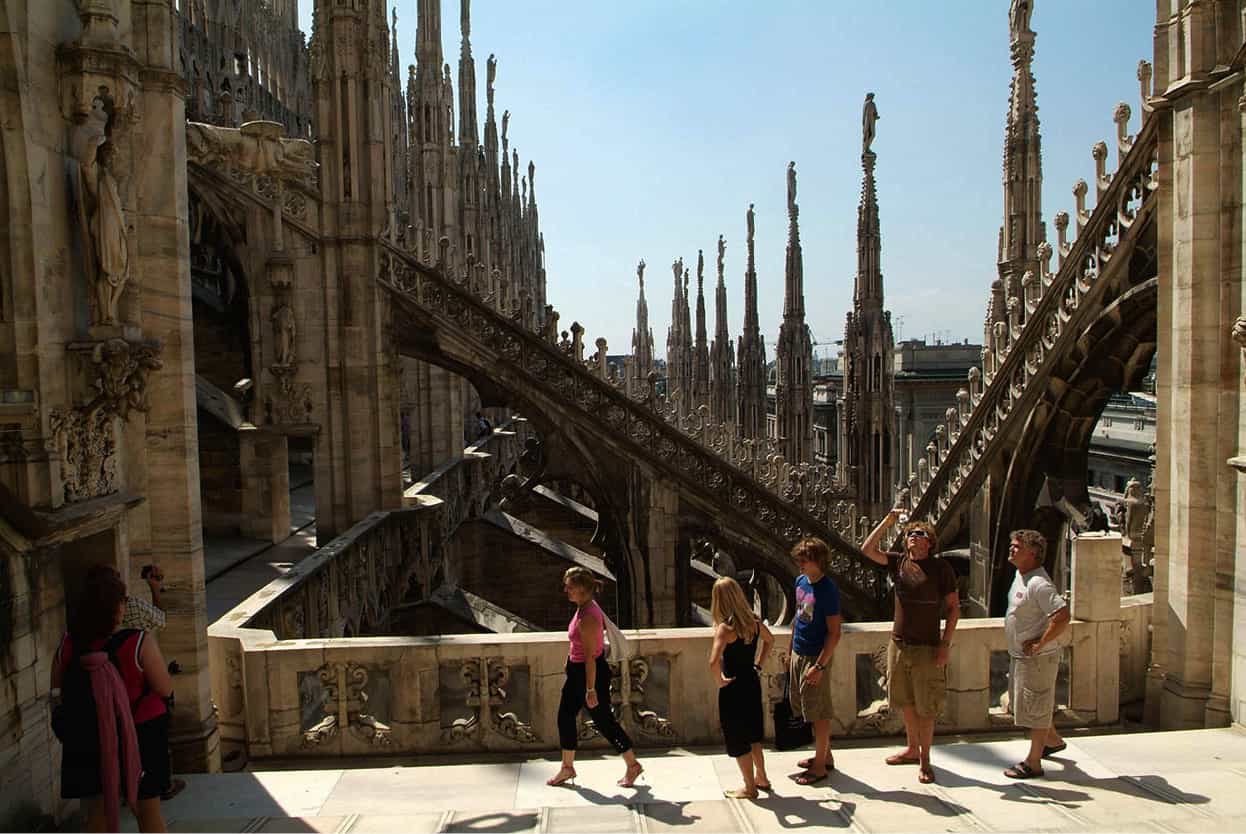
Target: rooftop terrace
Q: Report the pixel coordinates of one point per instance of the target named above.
(1175, 781)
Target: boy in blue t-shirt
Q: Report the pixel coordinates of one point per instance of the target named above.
(815, 633)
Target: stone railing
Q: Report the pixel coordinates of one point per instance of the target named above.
(1045, 317)
(316, 698)
(501, 343)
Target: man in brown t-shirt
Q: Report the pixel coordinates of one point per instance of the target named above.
(925, 588)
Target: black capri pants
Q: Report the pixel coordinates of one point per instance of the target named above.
(573, 692)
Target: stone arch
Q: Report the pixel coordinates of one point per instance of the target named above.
(1114, 354)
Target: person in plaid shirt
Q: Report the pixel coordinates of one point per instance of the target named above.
(139, 613)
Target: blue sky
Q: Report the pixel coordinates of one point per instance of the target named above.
(654, 123)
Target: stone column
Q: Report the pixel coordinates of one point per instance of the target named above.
(1094, 685)
(1200, 296)
(166, 527)
(265, 465)
(655, 522)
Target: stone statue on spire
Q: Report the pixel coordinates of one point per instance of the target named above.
(869, 116)
(749, 219)
(1019, 18)
(700, 266)
(491, 74)
(791, 188)
(722, 251)
(640, 274)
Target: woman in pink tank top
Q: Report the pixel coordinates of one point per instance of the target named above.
(588, 680)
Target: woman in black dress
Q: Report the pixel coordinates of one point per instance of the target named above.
(736, 663)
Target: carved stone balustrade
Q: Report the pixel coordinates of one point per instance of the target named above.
(318, 698)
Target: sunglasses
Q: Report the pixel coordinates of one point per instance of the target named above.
(919, 533)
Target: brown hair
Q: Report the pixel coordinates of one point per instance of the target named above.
(814, 550)
(1033, 540)
(728, 605)
(583, 578)
(931, 535)
(95, 617)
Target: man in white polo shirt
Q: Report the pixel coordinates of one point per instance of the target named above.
(1037, 617)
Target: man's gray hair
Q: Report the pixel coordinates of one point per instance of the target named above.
(1034, 541)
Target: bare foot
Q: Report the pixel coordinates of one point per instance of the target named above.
(564, 774)
(629, 778)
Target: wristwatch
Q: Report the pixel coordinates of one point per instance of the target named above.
(818, 666)
(757, 667)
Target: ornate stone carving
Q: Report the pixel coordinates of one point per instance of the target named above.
(85, 436)
(648, 721)
(349, 694)
(257, 148)
(291, 402)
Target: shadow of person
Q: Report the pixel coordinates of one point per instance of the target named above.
(637, 795)
(1060, 787)
(802, 812)
(499, 822)
(670, 813)
(929, 802)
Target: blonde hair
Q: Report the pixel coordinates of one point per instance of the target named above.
(814, 550)
(728, 605)
(583, 578)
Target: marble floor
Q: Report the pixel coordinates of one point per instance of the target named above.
(1174, 781)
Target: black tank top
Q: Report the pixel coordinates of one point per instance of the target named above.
(739, 656)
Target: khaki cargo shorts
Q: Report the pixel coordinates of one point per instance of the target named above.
(1032, 689)
(913, 679)
(811, 703)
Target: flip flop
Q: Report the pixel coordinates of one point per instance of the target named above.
(806, 764)
(738, 794)
(808, 777)
(926, 775)
(897, 759)
(1021, 770)
(768, 788)
(1048, 752)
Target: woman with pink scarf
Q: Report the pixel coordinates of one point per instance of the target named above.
(109, 688)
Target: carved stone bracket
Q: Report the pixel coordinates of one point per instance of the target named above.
(85, 435)
(291, 403)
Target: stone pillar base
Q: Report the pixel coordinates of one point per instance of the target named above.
(195, 745)
(1183, 707)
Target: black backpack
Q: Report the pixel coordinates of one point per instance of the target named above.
(75, 720)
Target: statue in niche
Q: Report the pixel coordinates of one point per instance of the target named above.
(1019, 18)
(869, 116)
(284, 331)
(100, 215)
(791, 187)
